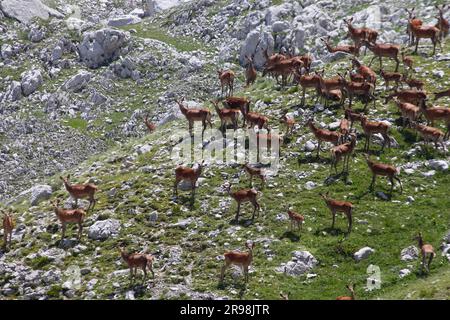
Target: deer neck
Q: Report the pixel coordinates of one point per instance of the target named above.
(183, 109)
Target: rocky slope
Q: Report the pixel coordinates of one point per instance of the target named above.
(75, 84)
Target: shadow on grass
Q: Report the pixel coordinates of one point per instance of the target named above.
(332, 231)
(291, 236)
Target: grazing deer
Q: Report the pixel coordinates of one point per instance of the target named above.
(441, 94)
(383, 50)
(425, 250)
(372, 127)
(8, 227)
(408, 63)
(193, 115)
(137, 260)
(413, 83)
(330, 89)
(368, 74)
(289, 123)
(81, 191)
(242, 196)
(339, 206)
(430, 134)
(69, 216)
(188, 174)
(435, 114)
(352, 116)
(352, 294)
(226, 116)
(412, 21)
(323, 135)
(252, 171)
(345, 151)
(256, 119)
(409, 111)
(306, 82)
(239, 103)
(386, 170)
(296, 219)
(443, 25)
(427, 32)
(358, 35)
(408, 95)
(350, 49)
(240, 259)
(363, 90)
(226, 78)
(150, 126)
(395, 77)
(250, 71)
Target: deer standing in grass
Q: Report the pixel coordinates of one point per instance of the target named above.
(412, 21)
(323, 135)
(384, 50)
(252, 171)
(343, 151)
(150, 126)
(240, 259)
(395, 77)
(243, 196)
(81, 191)
(408, 63)
(372, 127)
(408, 95)
(435, 114)
(8, 227)
(336, 206)
(352, 116)
(289, 123)
(307, 82)
(296, 219)
(187, 174)
(425, 250)
(385, 170)
(137, 260)
(443, 25)
(350, 288)
(430, 134)
(350, 49)
(358, 35)
(426, 32)
(250, 71)
(193, 115)
(413, 83)
(226, 78)
(239, 103)
(256, 119)
(227, 116)
(363, 90)
(409, 111)
(69, 216)
(368, 74)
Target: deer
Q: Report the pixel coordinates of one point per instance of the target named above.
(383, 50)
(435, 114)
(426, 32)
(226, 78)
(81, 191)
(256, 119)
(344, 151)
(243, 196)
(289, 123)
(395, 77)
(150, 126)
(250, 71)
(443, 25)
(441, 94)
(226, 116)
(364, 90)
(409, 111)
(295, 219)
(350, 288)
(307, 61)
(425, 250)
(240, 259)
(252, 171)
(240, 103)
(372, 127)
(344, 128)
(408, 62)
(69, 216)
(330, 89)
(413, 83)
(408, 95)
(350, 49)
(368, 74)
(306, 82)
(352, 116)
(284, 68)
(430, 134)
(323, 135)
(8, 227)
(385, 170)
(193, 115)
(412, 21)
(358, 35)
(137, 260)
(339, 206)
(187, 174)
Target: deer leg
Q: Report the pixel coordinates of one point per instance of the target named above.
(349, 217)
(80, 230)
(372, 184)
(318, 148)
(417, 45)
(63, 231)
(392, 185)
(429, 261)
(237, 212)
(334, 218)
(397, 63)
(381, 63)
(246, 273)
(145, 272)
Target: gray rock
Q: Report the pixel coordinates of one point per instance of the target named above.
(39, 193)
(149, 7)
(363, 253)
(382, 195)
(77, 82)
(409, 253)
(104, 229)
(255, 44)
(31, 81)
(302, 262)
(403, 273)
(56, 54)
(440, 165)
(123, 20)
(36, 35)
(14, 92)
(182, 224)
(310, 146)
(25, 10)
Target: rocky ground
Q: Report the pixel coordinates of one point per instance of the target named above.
(75, 82)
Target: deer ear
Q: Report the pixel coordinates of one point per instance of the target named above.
(61, 178)
(68, 176)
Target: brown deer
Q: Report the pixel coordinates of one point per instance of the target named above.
(69, 216)
(443, 25)
(385, 170)
(408, 63)
(284, 68)
(339, 206)
(289, 123)
(323, 135)
(239, 103)
(352, 294)
(240, 259)
(330, 89)
(430, 134)
(413, 83)
(426, 32)
(252, 171)
(441, 94)
(412, 21)
(226, 78)
(408, 95)
(372, 127)
(358, 35)
(150, 126)
(363, 90)
(395, 77)
(425, 250)
(81, 191)
(188, 174)
(243, 196)
(8, 227)
(226, 116)
(344, 128)
(352, 116)
(350, 49)
(344, 151)
(409, 111)
(368, 74)
(296, 219)
(307, 82)
(137, 260)
(250, 71)
(433, 114)
(256, 119)
(193, 115)
(383, 50)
